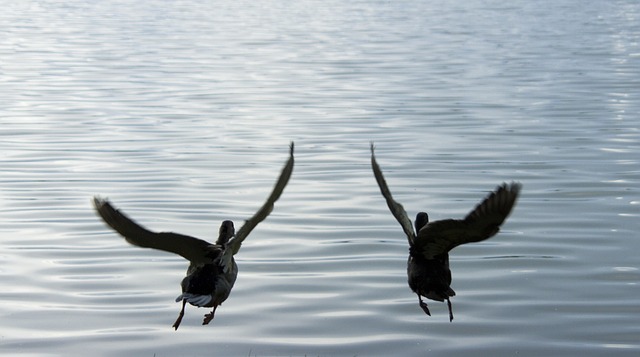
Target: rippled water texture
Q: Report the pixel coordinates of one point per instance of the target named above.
(181, 113)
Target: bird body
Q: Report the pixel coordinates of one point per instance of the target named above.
(428, 269)
(208, 285)
(212, 270)
(430, 278)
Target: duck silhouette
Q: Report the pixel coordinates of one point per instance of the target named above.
(212, 270)
(428, 264)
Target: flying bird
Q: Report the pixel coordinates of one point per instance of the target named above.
(429, 245)
(212, 269)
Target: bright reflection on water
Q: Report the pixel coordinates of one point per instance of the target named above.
(181, 113)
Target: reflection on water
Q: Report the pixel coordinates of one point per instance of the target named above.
(178, 110)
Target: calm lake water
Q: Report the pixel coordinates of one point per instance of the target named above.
(181, 112)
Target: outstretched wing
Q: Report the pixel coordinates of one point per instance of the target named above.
(234, 245)
(481, 223)
(190, 248)
(396, 208)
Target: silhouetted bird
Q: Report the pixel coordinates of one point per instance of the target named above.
(428, 265)
(212, 270)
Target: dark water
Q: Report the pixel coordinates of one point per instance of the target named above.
(181, 113)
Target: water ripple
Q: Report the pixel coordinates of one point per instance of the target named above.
(181, 113)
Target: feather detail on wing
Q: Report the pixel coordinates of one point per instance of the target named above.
(235, 243)
(190, 248)
(396, 208)
(481, 223)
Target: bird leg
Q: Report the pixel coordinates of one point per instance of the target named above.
(423, 305)
(450, 311)
(179, 319)
(208, 317)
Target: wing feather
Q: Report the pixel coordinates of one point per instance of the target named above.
(190, 248)
(267, 207)
(396, 208)
(481, 223)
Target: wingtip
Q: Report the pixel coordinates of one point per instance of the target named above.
(513, 187)
(99, 201)
(506, 196)
(516, 187)
(372, 147)
(291, 157)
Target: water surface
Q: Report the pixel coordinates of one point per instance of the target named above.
(181, 114)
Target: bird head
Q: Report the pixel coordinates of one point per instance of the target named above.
(226, 232)
(422, 218)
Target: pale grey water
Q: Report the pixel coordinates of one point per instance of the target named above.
(181, 113)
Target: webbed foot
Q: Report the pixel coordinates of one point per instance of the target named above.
(424, 307)
(179, 319)
(208, 317)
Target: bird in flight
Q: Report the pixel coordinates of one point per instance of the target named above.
(429, 245)
(212, 269)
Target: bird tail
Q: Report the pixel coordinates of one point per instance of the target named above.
(195, 299)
